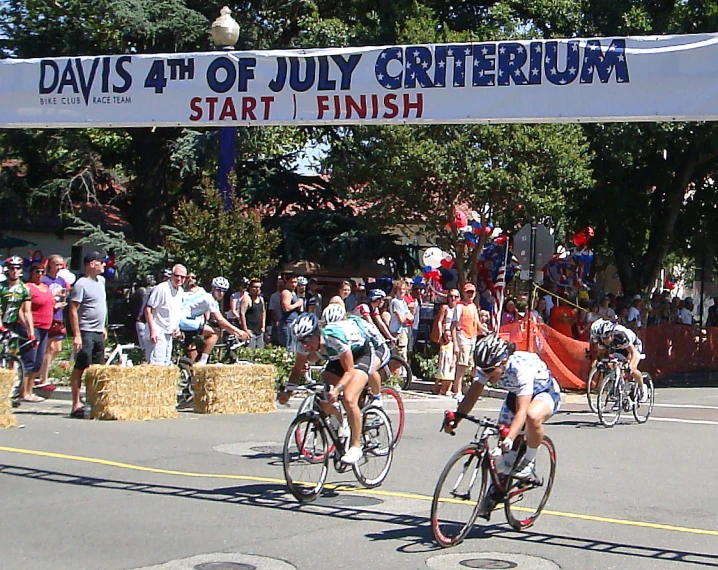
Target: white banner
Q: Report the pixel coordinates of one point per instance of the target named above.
(660, 78)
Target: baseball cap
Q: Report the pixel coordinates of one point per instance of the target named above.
(469, 287)
(93, 256)
(688, 300)
(636, 297)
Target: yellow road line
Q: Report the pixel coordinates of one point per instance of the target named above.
(347, 488)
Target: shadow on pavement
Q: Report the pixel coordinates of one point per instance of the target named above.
(413, 529)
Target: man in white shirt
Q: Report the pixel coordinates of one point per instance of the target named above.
(162, 313)
(634, 314)
(685, 314)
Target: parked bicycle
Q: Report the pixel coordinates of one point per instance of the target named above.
(313, 439)
(120, 354)
(478, 477)
(619, 392)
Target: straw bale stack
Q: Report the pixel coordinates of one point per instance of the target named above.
(7, 379)
(132, 393)
(234, 389)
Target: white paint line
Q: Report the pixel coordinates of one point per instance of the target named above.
(689, 406)
(682, 421)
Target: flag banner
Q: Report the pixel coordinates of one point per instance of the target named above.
(656, 78)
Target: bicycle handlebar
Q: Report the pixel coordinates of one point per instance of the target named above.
(450, 416)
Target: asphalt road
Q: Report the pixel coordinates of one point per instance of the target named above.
(207, 492)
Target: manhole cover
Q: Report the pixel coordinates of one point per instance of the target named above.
(224, 566)
(348, 501)
(275, 449)
(493, 563)
(494, 560)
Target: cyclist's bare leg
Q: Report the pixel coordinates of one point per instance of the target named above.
(352, 391)
(328, 408)
(539, 412)
(375, 383)
(210, 339)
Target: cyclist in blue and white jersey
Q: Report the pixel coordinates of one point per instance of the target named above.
(351, 361)
(533, 395)
(197, 307)
(611, 337)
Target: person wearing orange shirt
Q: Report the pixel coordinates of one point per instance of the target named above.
(465, 329)
(562, 318)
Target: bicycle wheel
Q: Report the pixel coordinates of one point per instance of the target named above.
(609, 401)
(592, 384)
(526, 499)
(642, 410)
(185, 392)
(13, 362)
(393, 406)
(377, 445)
(457, 495)
(398, 372)
(305, 458)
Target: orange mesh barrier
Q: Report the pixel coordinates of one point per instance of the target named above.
(668, 349)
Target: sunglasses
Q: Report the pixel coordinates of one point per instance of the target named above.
(179, 276)
(16, 267)
(39, 271)
(489, 370)
(305, 339)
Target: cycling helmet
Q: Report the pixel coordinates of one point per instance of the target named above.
(602, 328)
(376, 294)
(491, 350)
(333, 313)
(305, 325)
(14, 260)
(220, 283)
(166, 273)
(302, 281)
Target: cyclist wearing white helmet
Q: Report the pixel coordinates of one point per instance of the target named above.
(351, 360)
(369, 311)
(197, 308)
(610, 337)
(334, 313)
(533, 395)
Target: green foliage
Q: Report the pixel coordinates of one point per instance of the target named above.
(213, 241)
(135, 257)
(279, 356)
(427, 365)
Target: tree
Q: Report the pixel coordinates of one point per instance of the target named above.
(212, 241)
(418, 176)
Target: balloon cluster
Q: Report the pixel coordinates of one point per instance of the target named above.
(110, 270)
(471, 229)
(570, 269)
(439, 273)
(35, 256)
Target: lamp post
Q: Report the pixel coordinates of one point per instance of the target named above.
(225, 33)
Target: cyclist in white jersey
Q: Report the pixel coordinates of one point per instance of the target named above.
(195, 308)
(533, 395)
(351, 358)
(610, 337)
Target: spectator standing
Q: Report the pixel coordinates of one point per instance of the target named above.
(484, 323)
(623, 316)
(302, 283)
(313, 293)
(162, 313)
(540, 313)
(604, 309)
(291, 307)
(400, 315)
(275, 311)
(583, 324)
(417, 293)
(635, 317)
(88, 319)
(235, 299)
(712, 319)
(562, 318)
(253, 314)
(510, 313)
(59, 288)
(138, 302)
(352, 300)
(465, 333)
(15, 302)
(42, 306)
(345, 289)
(685, 315)
(446, 359)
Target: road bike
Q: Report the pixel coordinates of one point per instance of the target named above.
(472, 483)
(397, 371)
(595, 377)
(10, 346)
(391, 402)
(619, 392)
(120, 353)
(313, 439)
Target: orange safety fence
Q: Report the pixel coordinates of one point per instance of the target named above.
(668, 349)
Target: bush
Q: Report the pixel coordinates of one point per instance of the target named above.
(282, 359)
(427, 365)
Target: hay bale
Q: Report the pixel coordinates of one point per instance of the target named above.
(132, 393)
(7, 379)
(234, 389)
